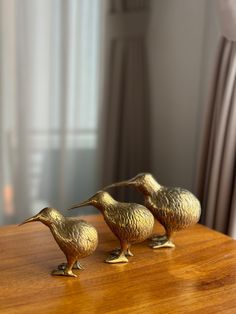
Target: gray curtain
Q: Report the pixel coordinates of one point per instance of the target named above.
(217, 172)
(125, 122)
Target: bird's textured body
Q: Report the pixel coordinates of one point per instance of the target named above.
(174, 208)
(130, 223)
(76, 238)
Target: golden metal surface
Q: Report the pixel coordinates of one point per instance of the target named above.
(130, 222)
(174, 208)
(76, 238)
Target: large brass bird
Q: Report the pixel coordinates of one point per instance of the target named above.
(76, 238)
(130, 223)
(174, 208)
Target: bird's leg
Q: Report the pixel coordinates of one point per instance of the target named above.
(158, 237)
(165, 241)
(128, 252)
(76, 265)
(121, 258)
(116, 252)
(68, 270)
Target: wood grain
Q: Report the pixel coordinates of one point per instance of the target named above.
(198, 275)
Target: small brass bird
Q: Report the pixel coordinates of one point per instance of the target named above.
(130, 223)
(76, 238)
(174, 208)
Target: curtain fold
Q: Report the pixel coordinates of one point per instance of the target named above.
(126, 124)
(232, 220)
(216, 183)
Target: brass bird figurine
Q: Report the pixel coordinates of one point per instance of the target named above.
(174, 208)
(130, 223)
(76, 238)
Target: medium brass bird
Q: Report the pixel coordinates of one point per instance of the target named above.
(76, 238)
(174, 208)
(130, 223)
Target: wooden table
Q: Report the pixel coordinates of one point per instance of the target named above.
(198, 276)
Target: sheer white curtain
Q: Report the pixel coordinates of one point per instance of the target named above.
(49, 101)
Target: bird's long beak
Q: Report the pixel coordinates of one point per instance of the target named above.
(34, 218)
(82, 204)
(121, 183)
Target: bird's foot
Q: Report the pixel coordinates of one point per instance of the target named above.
(158, 237)
(62, 266)
(117, 252)
(76, 265)
(129, 253)
(117, 259)
(61, 272)
(161, 244)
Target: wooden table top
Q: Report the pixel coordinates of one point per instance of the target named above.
(198, 275)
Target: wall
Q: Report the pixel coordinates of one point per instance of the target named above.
(182, 41)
